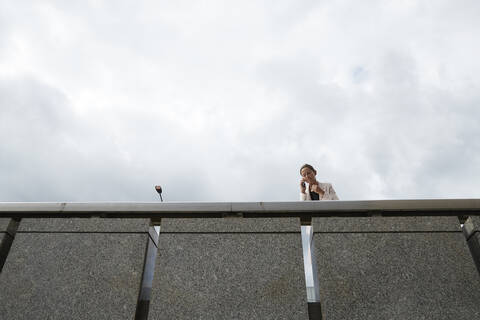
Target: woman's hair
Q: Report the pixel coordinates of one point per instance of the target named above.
(306, 165)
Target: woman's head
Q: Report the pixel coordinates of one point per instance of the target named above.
(308, 172)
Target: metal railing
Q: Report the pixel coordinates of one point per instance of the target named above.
(302, 209)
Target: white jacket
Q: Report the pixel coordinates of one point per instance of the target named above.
(329, 192)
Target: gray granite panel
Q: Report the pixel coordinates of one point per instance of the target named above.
(84, 225)
(229, 276)
(72, 276)
(385, 224)
(396, 276)
(231, 225)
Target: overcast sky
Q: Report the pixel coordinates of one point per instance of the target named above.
(101, 100)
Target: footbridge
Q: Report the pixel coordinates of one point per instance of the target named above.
(385, 259)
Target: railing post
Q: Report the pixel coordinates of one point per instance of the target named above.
(471, 230)
(8, 228)
(229, 268)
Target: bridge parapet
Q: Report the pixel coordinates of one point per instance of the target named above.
(373, 259)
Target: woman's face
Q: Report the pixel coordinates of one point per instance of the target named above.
(308, 174)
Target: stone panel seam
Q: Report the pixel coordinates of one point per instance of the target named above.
(381, 232)
(228, 232)
(89, 232)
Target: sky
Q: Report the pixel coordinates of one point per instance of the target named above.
(224, 101)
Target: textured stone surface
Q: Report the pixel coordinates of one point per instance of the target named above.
(376, 224)
(84, 225)
(394, 275)
(72, 276)
(88, 268)
(231, 225)
(229, 275)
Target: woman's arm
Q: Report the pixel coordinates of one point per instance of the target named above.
(332, 193)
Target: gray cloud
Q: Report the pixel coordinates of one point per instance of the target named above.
(224, 103)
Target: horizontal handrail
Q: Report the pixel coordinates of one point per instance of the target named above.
(302, 209)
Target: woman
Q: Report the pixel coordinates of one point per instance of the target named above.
(314, 190)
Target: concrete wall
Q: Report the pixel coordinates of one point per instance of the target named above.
(229, 269)
(74, 269)
(395, 268)
(236, 268)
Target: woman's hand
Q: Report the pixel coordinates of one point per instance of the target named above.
(303, 187)
(316, 188)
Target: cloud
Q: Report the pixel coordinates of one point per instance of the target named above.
(222, 102)
(47, 152)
